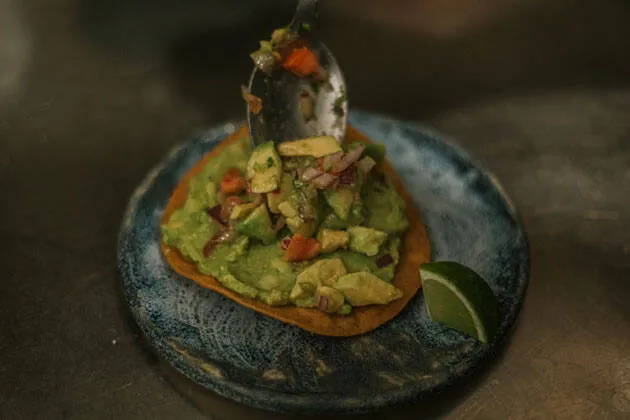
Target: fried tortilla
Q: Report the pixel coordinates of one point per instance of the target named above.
(415, 250)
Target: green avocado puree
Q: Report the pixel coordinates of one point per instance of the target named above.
(257, 270)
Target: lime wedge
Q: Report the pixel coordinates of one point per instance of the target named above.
(459, 298)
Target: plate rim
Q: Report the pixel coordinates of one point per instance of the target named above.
(277, 401)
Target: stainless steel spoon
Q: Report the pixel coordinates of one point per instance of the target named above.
(281, 118)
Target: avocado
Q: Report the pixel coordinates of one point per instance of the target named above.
(328, 299)
(355, 218)
(264, 168)
(302, 291)
(312, 146)
(283, 193)
(323, 272)
(302, 211)
(287, 209)
(385, 208)
(241, 211)
(340, 200)
(353, 261)
(345, 309)
(237, 249)
(331, 221)
(304, 228)
(305, 199)
(366, 240)
(376, 151)
(257, 225)
(331, 240)
(363, 288)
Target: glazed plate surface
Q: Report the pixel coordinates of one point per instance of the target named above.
(259, 361)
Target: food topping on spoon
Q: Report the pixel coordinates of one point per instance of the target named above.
(288, 50)
(254, 102)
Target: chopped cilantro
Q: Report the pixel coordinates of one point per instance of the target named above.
(315, 87)
(270, 162)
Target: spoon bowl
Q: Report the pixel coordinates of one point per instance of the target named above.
(282, 117)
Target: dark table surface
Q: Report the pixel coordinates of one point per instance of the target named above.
(94, 93)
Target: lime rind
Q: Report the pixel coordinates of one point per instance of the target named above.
(470, 290)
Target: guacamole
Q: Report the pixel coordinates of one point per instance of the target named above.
(305, 223)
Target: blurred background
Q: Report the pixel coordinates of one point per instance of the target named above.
(94, 92)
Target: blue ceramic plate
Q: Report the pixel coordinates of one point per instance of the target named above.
(256, 360)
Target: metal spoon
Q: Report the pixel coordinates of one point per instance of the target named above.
(281, 118)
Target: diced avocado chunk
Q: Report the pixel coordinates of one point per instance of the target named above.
(264, 168)
(366, 240)
(331, 221)
(385, 209)
(304, 228)
(241, 211)
(340, 200)
(388, 272)
(331, 240)
(302, 291)
(287, 209)
(323, 272)
(363, 288)
(329, 299)
(345, 309)
(302, 211)
(353, 261)
(283, 193)
(279, 35)
(313, 146)
(257, 225)
(376, 151)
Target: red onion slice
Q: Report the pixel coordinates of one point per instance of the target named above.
(330, 161)
(311, 173)
(349, 158)
(348, 178)
(323, 181)
(322, 303)
(223, 236)
(384, 261)
(284, 244)
(216, 213)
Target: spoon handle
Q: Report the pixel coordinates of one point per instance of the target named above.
(306, 13)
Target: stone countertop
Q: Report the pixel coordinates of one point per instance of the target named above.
(92, 96)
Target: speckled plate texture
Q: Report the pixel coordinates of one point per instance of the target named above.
(256, 360)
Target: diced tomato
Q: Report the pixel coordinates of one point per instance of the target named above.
(302, 249)
(233, 182)
(302, 62)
